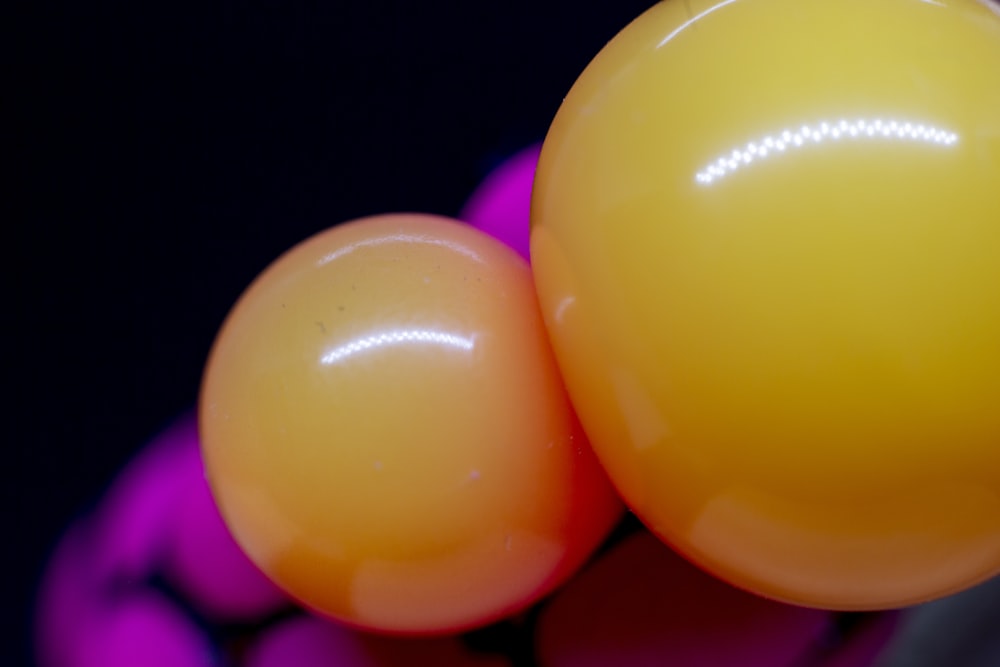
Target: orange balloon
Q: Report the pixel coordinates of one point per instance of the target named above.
(766, 237)
(387, 435)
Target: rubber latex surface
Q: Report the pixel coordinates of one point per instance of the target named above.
(387, 434)
(766, 237)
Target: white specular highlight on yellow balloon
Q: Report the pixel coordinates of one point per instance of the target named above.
(811, 135)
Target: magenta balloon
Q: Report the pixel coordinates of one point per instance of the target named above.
(207, 565)
(143, 629)
(641, 605)
(159, 516)
(134, 521)
(501, 205)
(67, 599)
(308, 642)
(82, 623)
(313, 642)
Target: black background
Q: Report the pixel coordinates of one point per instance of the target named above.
(160, 154)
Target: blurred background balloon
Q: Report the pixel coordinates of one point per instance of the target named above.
(311, 642)
(641, 605)
(163, 153)
(501, 205)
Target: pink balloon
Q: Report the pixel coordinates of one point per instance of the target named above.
(501, 205)
(159, 517)
(309, 642)
(313, 642)
(135, 518)
(82, 621)
(67, 598)
(120, 545)
(641, 605)
(207, 565)
(143, 629)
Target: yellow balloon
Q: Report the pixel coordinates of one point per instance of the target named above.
(766, 238)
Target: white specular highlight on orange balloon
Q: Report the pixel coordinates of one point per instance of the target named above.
(812, 135)
(400, 337)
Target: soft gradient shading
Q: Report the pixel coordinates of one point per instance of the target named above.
(501, 205)
(641, 605)
(97, 603)
(203, 560)
(312, 642)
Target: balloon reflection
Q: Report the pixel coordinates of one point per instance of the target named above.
(811, 135)
(402, 336)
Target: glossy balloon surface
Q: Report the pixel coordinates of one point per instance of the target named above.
(766, 237)
(501, 205)
(205, 563)
(387, 434)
